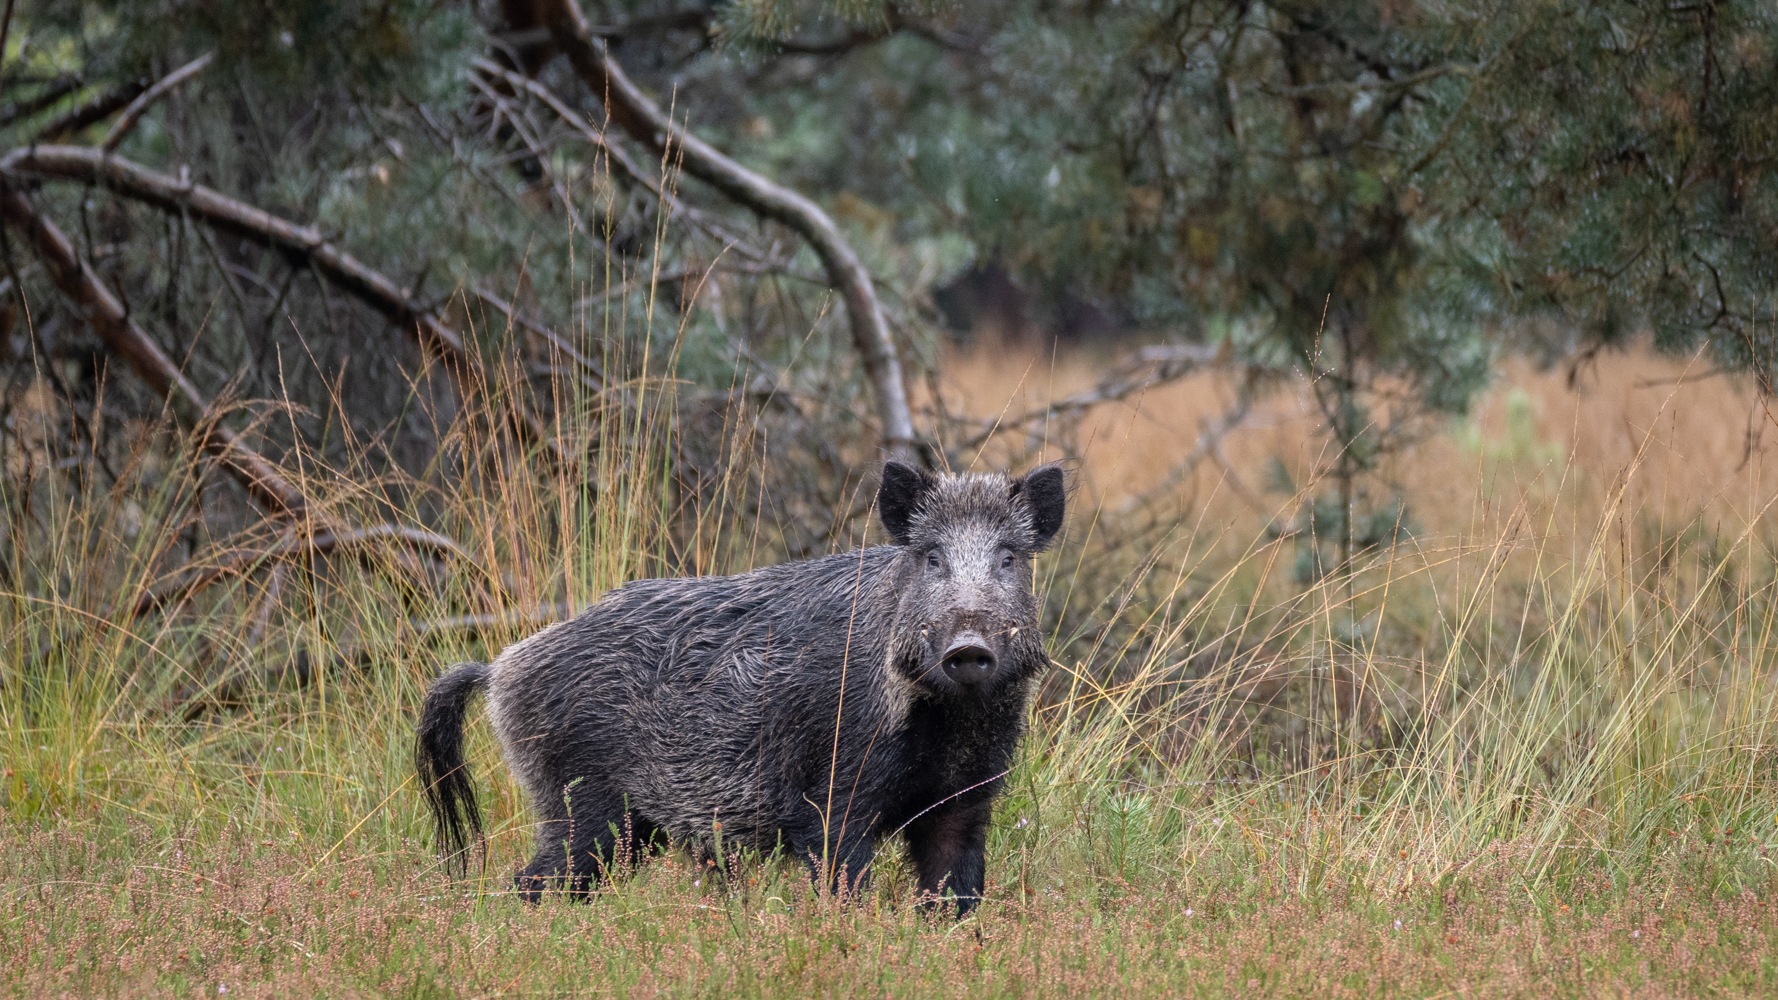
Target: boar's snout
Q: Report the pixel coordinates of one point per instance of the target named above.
(968, 660)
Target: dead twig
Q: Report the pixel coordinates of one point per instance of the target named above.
(139, 107)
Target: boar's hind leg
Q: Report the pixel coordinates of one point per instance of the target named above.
(577, 851)
(949, 849)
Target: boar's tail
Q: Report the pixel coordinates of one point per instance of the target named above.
(438, 759)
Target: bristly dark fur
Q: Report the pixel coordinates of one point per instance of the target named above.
(438, 760)
(815, 706)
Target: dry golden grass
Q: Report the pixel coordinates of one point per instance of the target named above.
(1701, 446)
(1552, 760)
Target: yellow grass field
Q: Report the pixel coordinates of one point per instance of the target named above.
(1689, 444)
(1530, 751)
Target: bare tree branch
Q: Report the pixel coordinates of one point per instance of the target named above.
(139, 107)
(1209, 445)
(644, 120)
(123, 337)
(1139, 371)
(618, 158)
(303, 245)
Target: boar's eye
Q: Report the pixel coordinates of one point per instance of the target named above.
(932, 560)
(1006, 561)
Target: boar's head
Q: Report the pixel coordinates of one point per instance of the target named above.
(967, 616)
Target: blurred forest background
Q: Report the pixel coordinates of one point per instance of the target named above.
(286, 281)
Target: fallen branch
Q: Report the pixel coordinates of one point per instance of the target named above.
(643, 120)
(123, 337)
(294, 546)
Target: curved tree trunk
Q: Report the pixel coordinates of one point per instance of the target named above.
(644, 120)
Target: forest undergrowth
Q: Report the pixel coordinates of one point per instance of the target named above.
(1523, 751)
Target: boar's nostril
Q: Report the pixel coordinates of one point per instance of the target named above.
(968, 660)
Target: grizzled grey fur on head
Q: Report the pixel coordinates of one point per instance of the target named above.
(817, 706)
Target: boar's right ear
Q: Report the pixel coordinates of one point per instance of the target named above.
(904, 489)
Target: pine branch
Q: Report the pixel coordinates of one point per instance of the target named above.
(126, 122)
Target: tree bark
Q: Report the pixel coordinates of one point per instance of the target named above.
(125, 338)
(643, 119)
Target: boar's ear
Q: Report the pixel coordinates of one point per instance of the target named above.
(904, 489)
(1044, 492)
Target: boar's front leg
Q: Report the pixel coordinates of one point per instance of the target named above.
(949, 849)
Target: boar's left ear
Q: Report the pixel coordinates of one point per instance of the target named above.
(903, 490)
(1045, 492)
